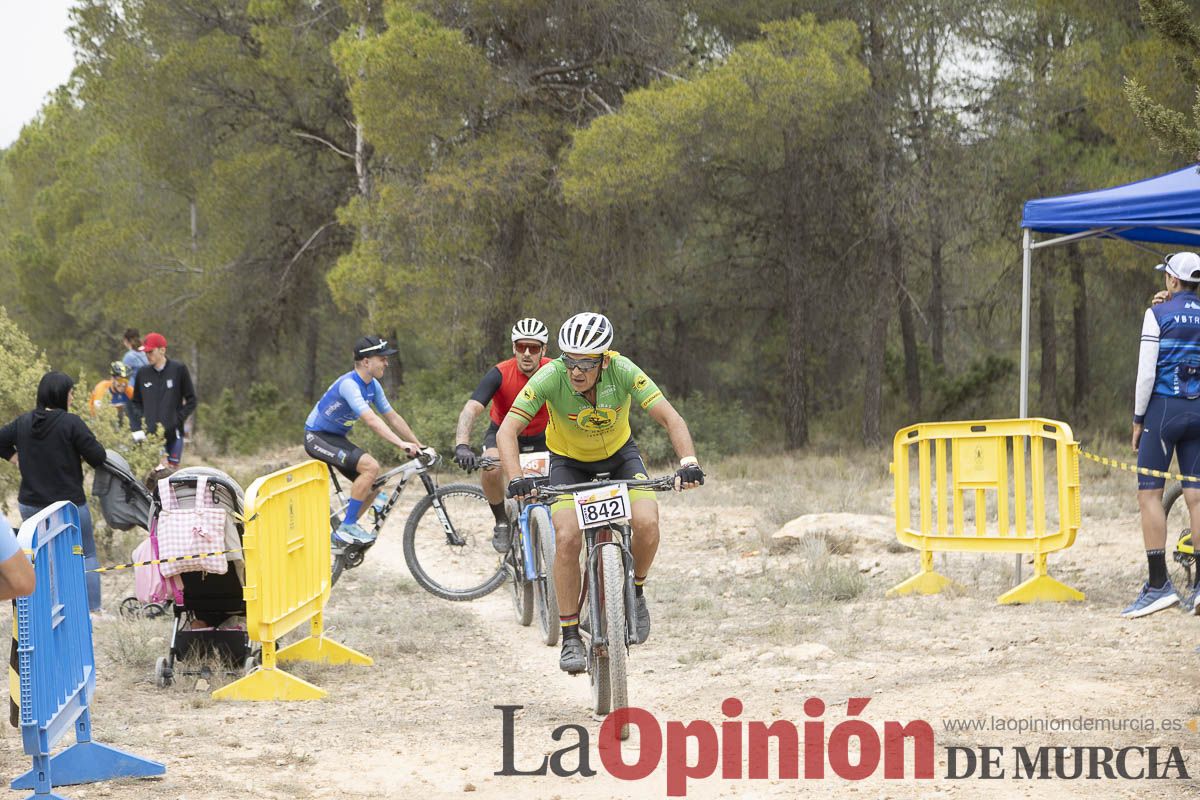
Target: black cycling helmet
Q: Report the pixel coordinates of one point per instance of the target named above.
(373, 346)
(119, 369)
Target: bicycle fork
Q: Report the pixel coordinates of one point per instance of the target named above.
(452, 536)
(528, 565)
(600, 632)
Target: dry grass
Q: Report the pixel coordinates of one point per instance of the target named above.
(130, 643)
(827, 578)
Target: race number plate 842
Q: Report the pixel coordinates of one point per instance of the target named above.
(599, 506)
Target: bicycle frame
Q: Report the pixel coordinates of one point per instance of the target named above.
(405, 472)
(529, 570)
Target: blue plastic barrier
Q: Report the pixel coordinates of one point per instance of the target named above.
(57, 666)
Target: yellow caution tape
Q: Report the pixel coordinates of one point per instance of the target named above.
(116, 567)
(1112, 462)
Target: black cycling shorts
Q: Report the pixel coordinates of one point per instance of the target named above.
(525, 444)
(625, 464)
(1172, 427)
(337, 451)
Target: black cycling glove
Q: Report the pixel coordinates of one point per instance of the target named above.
(464, 456)
(690, 473)
(519, 487)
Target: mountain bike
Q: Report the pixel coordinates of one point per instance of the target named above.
(1183, 556)
(447, 538)
(530, 559)
(607, 598)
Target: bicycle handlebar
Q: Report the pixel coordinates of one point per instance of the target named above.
(664, 484)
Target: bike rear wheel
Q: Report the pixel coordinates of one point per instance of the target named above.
(448, 546)
(1180, 562)
(541, 534)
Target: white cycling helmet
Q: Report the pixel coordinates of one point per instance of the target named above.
(585, 333)
(530, 328)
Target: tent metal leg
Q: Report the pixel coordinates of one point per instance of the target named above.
(1026, 270)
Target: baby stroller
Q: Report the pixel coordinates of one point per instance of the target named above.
(126, 503)
(209, 610)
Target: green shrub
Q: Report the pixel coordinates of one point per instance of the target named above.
(718, 428)
(113, 432)
(247, 423)
(430, 402)
(21, 367)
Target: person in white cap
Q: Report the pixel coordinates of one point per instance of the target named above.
(1166, 421)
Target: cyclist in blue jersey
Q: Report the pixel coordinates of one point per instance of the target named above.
(348, 399)
(1166, 421)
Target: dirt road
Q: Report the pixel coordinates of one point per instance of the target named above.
(730, 621)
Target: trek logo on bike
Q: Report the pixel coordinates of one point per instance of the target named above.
(606, 504)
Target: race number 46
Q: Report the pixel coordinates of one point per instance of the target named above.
(599, 506)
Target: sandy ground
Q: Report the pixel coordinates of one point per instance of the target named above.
(730, 620)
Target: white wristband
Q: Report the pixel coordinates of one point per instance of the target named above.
(688, 461)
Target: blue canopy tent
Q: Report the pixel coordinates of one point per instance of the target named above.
(1164, 210)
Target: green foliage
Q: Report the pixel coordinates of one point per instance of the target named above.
(245, 422)
(21, 367)
(792, 211)
(753, 108)
(1174, 21)
(719, 428)
(430, 402)
(415, 84)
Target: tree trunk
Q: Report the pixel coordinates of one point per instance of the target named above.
(395, 373)
(873, 380)
(937, 302)
(1079, 323)
(312, 342)
(908, 332)
(795, 420)
(796, 259)
(1048, 338)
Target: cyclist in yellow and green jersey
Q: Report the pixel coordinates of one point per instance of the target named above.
(589, 392)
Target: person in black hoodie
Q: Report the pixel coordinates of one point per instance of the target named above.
(48, 443)
(163, 396)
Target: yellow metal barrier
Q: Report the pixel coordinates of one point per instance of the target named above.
(286, 546)
(958, 462)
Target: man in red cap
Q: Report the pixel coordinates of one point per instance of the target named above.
(163, 396)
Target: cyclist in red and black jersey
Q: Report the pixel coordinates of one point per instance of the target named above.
(500, 387)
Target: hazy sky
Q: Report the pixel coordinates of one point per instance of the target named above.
(35, 57)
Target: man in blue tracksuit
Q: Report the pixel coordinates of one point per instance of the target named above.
(1166, 420)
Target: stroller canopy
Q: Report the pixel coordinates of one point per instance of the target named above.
(226, 491)
(124, 501)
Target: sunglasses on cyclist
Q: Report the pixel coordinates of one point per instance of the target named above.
(527, 348)
(581, 364)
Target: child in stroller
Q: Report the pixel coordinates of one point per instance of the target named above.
(208, 608)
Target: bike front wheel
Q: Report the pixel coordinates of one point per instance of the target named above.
(541, 533)
(448, 544)
(522, 590)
